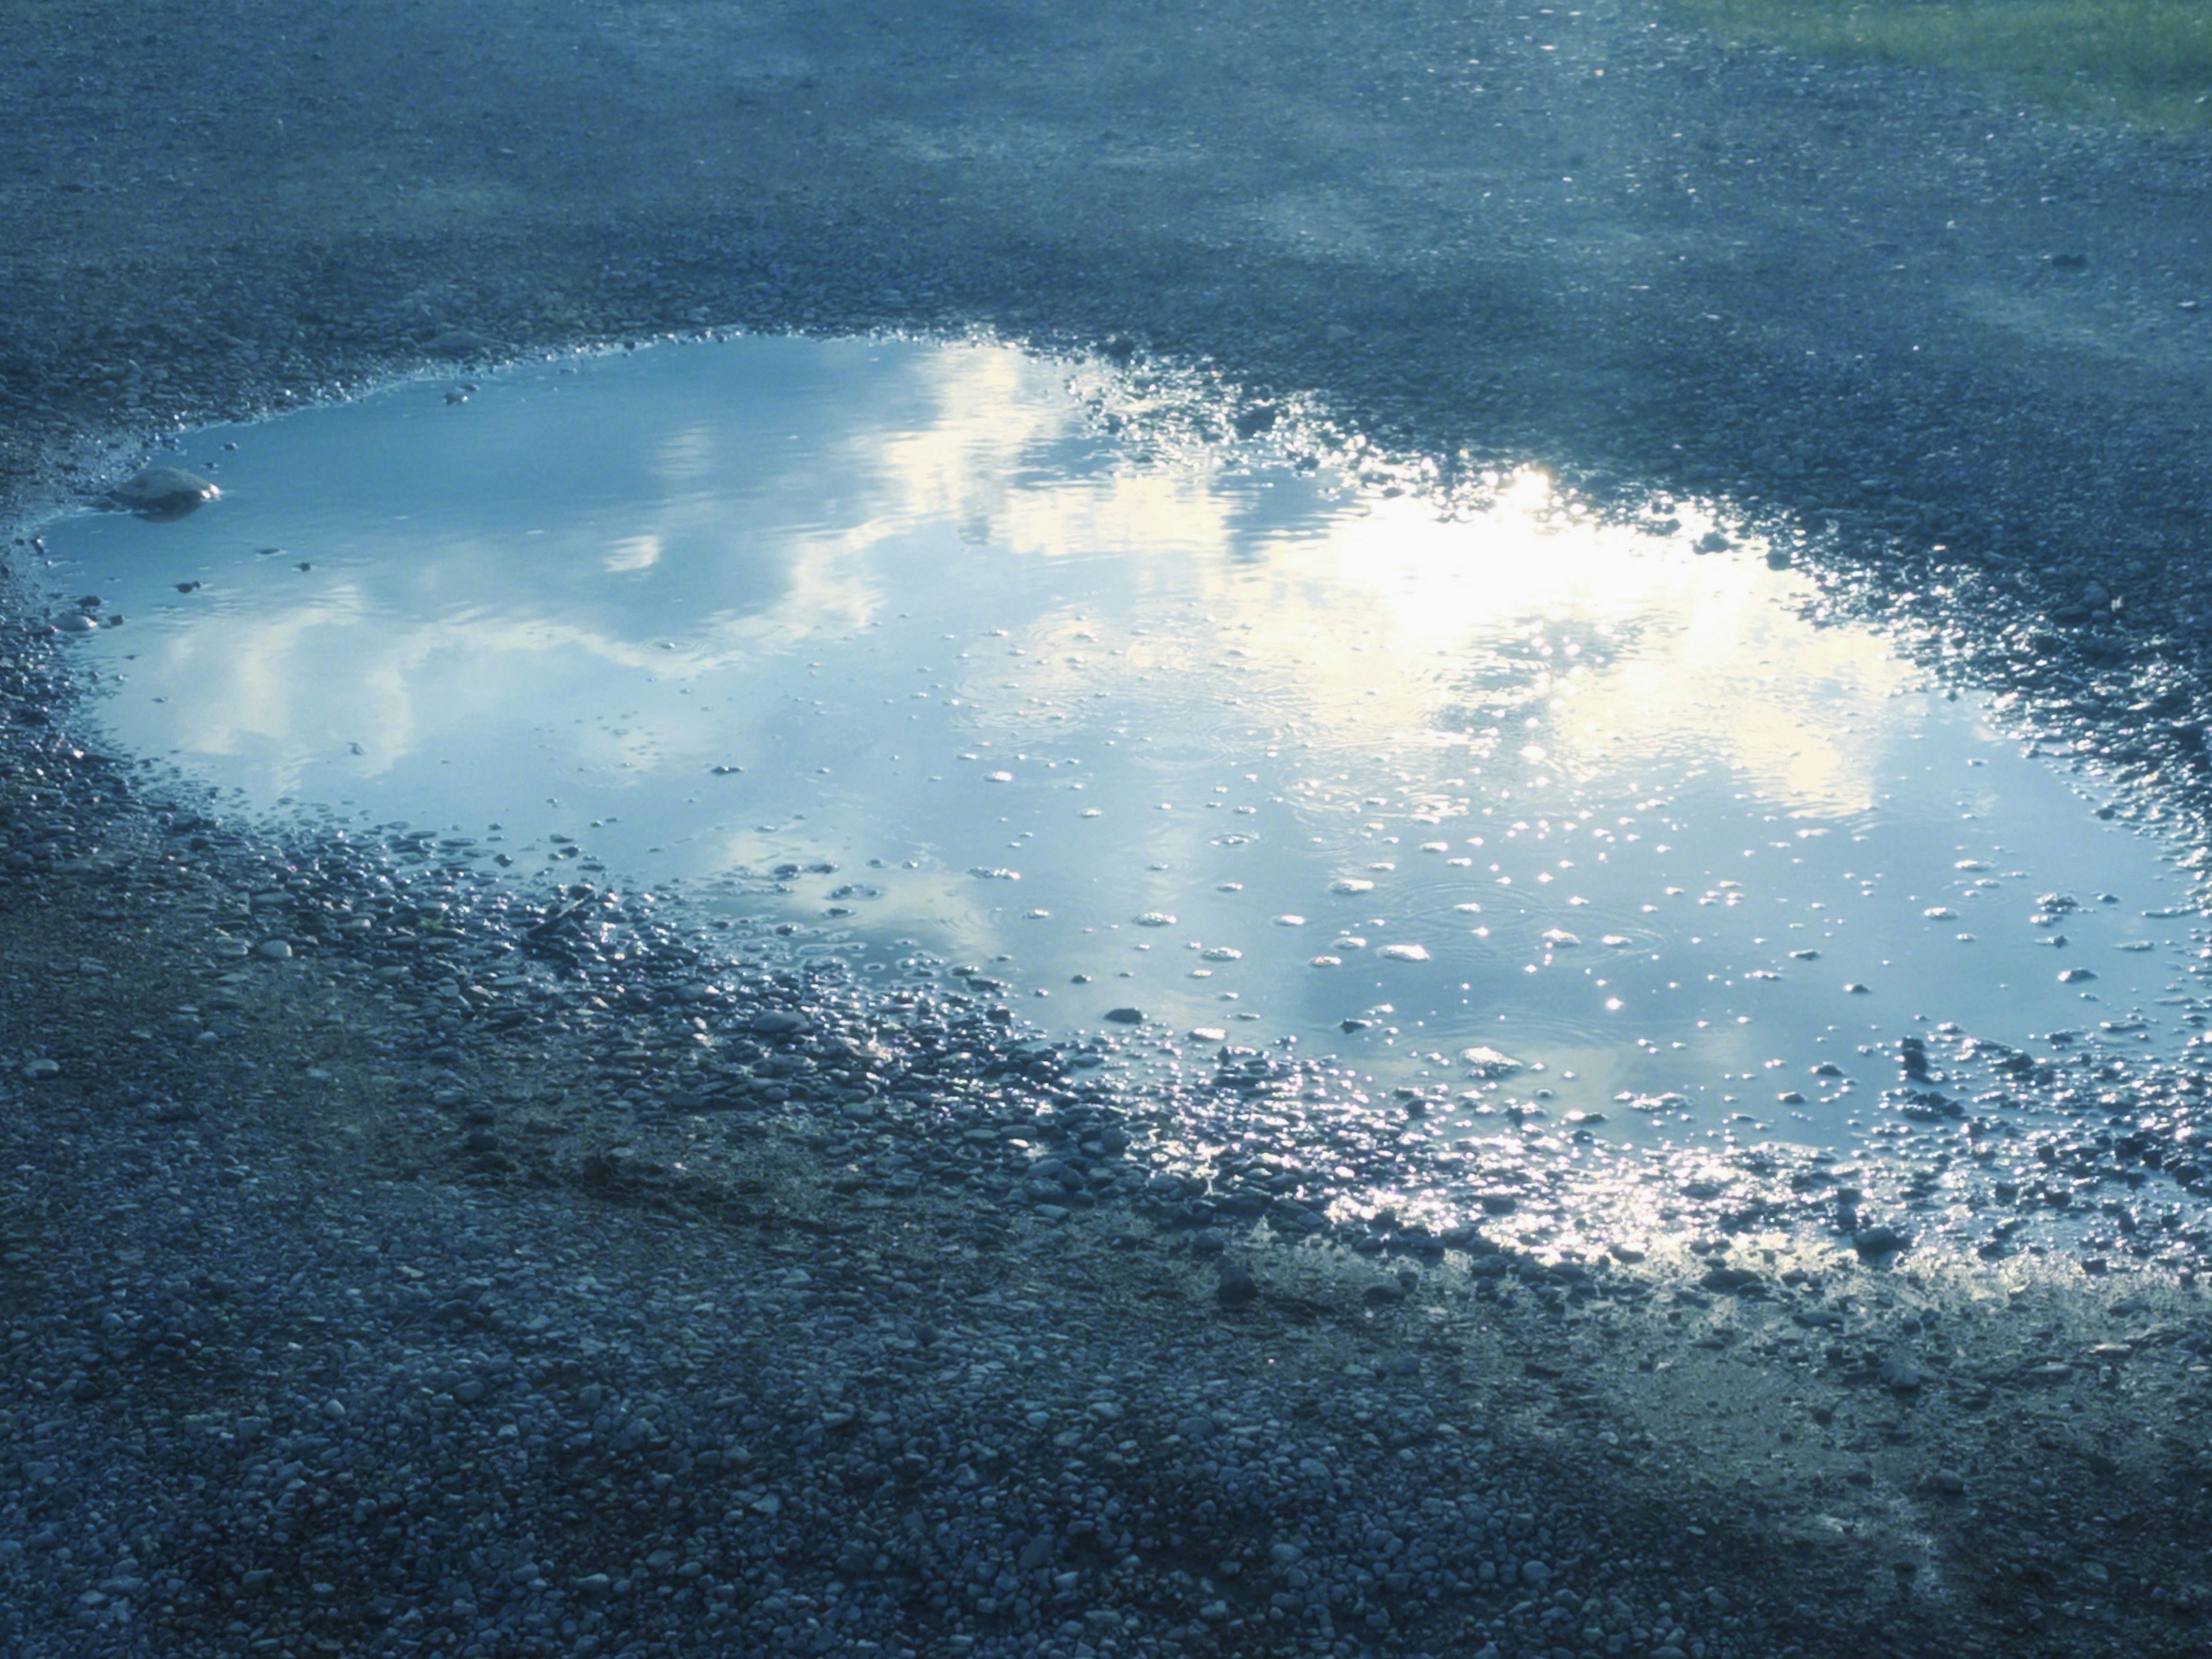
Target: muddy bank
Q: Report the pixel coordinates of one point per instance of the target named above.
(351, 1310)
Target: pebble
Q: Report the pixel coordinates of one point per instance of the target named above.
(1487, 1062)
(164, 492)
(1880, 1241)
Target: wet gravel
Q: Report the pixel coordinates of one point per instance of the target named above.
(478, 1275)
(394, 1265)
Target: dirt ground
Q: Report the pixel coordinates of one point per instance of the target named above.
(1941, 334)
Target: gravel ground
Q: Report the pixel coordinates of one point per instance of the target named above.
(392, 1269)
(475, 1278)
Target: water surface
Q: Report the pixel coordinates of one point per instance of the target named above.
(886, 648)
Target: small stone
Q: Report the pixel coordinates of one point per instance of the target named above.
(1126, 1016)
(1237, 1285)
(1486, 1062)
(482, 1140)
(1728, 1280)
(164, 492)
(1207, 1241)
(273, 949)
(1880, 1241)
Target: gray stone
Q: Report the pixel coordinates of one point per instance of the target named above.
(164, 492)
(1880, 1241)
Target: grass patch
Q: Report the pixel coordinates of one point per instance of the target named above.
(2146, 63)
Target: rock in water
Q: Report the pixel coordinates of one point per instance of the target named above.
(1487, 1062)
(163, 492)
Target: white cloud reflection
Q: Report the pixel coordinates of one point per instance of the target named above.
(1352, 620)
(875, 576)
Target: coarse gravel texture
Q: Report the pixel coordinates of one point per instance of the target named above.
(339, 1320)
(470, 1277)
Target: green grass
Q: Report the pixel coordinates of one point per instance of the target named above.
(2146, 63)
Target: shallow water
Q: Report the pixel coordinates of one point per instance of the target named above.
(886, 645)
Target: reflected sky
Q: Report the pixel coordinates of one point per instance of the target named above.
(1256, 752)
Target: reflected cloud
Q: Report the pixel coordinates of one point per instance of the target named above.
(896, 609)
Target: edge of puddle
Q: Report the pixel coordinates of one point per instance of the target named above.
(1188, 419)
(1714, 1420)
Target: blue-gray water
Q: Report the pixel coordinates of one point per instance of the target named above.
(1258, 752)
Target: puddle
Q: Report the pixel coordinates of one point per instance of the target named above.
(884, 645)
